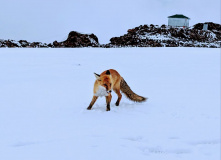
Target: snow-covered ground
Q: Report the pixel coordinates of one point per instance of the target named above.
(44, 94)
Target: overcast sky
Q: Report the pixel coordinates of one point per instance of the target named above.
(49, 20)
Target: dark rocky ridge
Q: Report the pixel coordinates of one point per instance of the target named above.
(211, 26)
(22, 44)
(164, 36)
(76, 39)
(142, 36)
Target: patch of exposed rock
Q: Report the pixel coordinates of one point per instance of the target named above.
(22, 44)
(165, 36)
(142, 36)
(76, 39)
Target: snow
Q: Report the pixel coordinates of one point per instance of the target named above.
(44, 94)
(101, 92)
(155, 37)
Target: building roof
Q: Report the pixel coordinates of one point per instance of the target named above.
(178, 16)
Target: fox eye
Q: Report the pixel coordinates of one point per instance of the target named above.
(110, 84)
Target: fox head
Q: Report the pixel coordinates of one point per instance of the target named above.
(105, 81)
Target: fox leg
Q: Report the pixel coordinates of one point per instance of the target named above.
(92, 102)
(108, 100)
(117, 91)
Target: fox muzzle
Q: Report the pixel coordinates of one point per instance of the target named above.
(109, 91)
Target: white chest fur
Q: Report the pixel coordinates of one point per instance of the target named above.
(101, 92)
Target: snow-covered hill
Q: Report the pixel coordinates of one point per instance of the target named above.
(165, 36)
(142, 36)
(44, 94)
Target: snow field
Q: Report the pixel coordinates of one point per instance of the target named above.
(44, 94)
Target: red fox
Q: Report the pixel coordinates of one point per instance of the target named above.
(111, 80)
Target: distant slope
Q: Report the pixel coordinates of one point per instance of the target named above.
(165, 36)
(142, 36)
(74, 40)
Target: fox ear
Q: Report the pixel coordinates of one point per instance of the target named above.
(97, 76)
(108, 72)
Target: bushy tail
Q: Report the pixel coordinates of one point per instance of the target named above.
(129, 93)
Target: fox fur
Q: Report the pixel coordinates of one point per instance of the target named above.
(111, 80)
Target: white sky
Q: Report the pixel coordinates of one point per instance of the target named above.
(49, 20)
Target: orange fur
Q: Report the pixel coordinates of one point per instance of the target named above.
(111, 80)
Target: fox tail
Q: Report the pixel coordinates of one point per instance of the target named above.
(129, 93)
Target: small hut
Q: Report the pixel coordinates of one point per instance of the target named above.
(178, 20)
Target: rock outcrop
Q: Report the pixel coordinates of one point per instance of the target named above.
(22, 44)
(76, 39)
(142, 36)
(165, 36)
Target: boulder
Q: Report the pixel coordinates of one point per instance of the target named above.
(76, 39)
